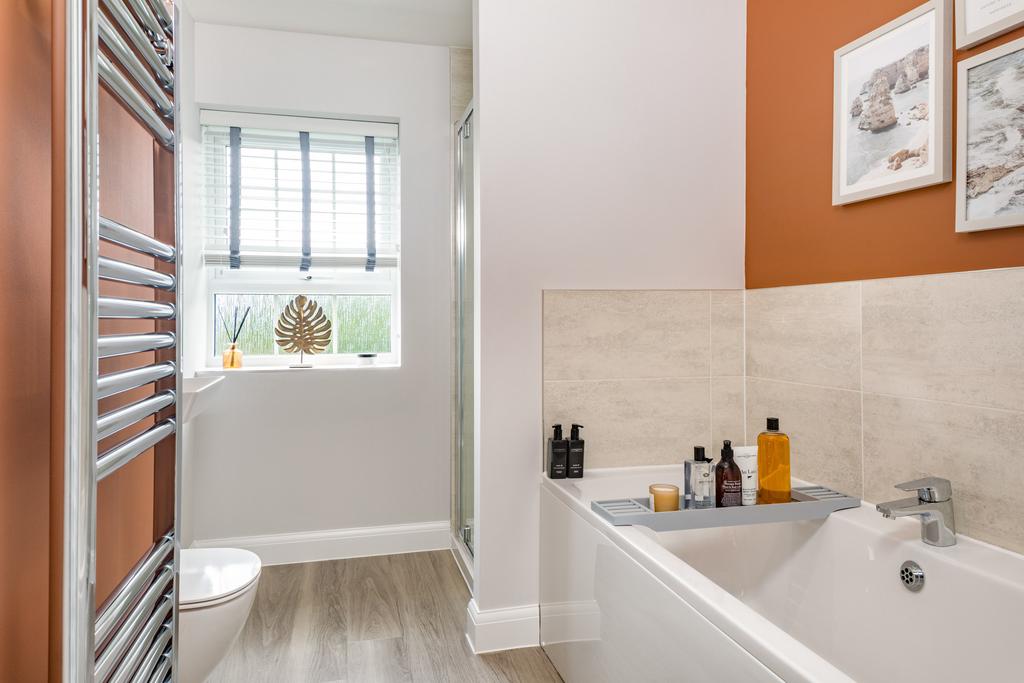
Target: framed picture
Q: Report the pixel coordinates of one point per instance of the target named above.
(990, 139)
(891, 107)
(979, 20)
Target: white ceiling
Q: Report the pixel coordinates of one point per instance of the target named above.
(430, 22)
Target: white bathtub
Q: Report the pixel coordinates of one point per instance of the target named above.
(805, 601)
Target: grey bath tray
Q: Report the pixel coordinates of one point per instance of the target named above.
(809, 502)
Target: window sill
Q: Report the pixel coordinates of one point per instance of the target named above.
(209, 372)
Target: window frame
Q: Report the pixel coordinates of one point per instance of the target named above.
(330, 280)
(222, 280)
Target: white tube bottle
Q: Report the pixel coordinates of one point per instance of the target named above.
(746, 460)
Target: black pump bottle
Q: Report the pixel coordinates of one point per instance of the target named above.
(728, 479)
(558, 454)
(575, 453)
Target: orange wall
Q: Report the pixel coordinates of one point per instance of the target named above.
(25, 319)
(58, 283)
(135, 505)
(794, 234)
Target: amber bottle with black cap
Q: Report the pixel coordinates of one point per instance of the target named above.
(773, 479)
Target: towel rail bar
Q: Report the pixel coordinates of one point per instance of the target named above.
(145, 15)
(135, 616)
(122, 454)
(156, 598)
(156, 651)
(130, 61)
(163, 15)
(119, 271)
(129, 629)
(131, 588)
(121, 418)
(137, 36)
(112, 231)
(127, 93)
(114, 307)
(122, 344)
(163, 670)
(140, 648)
(116, 382)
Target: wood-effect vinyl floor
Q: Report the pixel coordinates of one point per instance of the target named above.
(393, 618)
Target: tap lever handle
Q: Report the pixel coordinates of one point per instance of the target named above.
(929, 489)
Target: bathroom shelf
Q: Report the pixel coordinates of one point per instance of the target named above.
(809, 502)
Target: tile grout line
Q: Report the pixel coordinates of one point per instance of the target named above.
(711, 380)
(802, 384)
(976, 406)
(746, 436)
(860, 289)
(660, 378)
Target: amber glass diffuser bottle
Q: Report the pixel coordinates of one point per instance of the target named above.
(773, 464)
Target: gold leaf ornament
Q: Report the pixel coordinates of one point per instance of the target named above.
(303, 327)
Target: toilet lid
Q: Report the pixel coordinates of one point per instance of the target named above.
(209, 574)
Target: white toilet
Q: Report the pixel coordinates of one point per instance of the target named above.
(216, 592)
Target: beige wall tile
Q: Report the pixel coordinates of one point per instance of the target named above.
(956, 337)
(726, 333)
(727, 419)
(977, 449)
(808, 334)
(824, 426)
(632, 422)
(460, 60)
(626, 334)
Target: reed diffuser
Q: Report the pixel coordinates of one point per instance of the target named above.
(232, 357)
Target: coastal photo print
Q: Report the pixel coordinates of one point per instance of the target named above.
(891, 118)
(990, 139)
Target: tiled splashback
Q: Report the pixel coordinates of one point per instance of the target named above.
(648, 373)
(877, 382)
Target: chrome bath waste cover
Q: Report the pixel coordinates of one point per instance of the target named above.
(912, 576)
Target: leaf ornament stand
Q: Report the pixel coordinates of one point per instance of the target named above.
(303, 328)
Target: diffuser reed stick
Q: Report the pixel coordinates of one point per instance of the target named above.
(233, 355)
(235, 331)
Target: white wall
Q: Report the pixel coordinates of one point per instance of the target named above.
(188, 145)
(191, 282)
(610, 153)
(296, 451)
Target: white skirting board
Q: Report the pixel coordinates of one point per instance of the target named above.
(502, 629)
(338, 544)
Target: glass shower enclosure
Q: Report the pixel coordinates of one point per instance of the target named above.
(463, 518)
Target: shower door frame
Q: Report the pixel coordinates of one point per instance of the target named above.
(463, 550)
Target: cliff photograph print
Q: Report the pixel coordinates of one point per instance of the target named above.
(990, 139)
(891, 98)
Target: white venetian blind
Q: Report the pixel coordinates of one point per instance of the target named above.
(271, 191)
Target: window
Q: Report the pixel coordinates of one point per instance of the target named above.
(295, 205)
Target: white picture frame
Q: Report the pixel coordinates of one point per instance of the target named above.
(988, 140)
(915, 151)
(981, 20)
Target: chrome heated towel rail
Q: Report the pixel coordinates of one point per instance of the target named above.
(127, 46)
